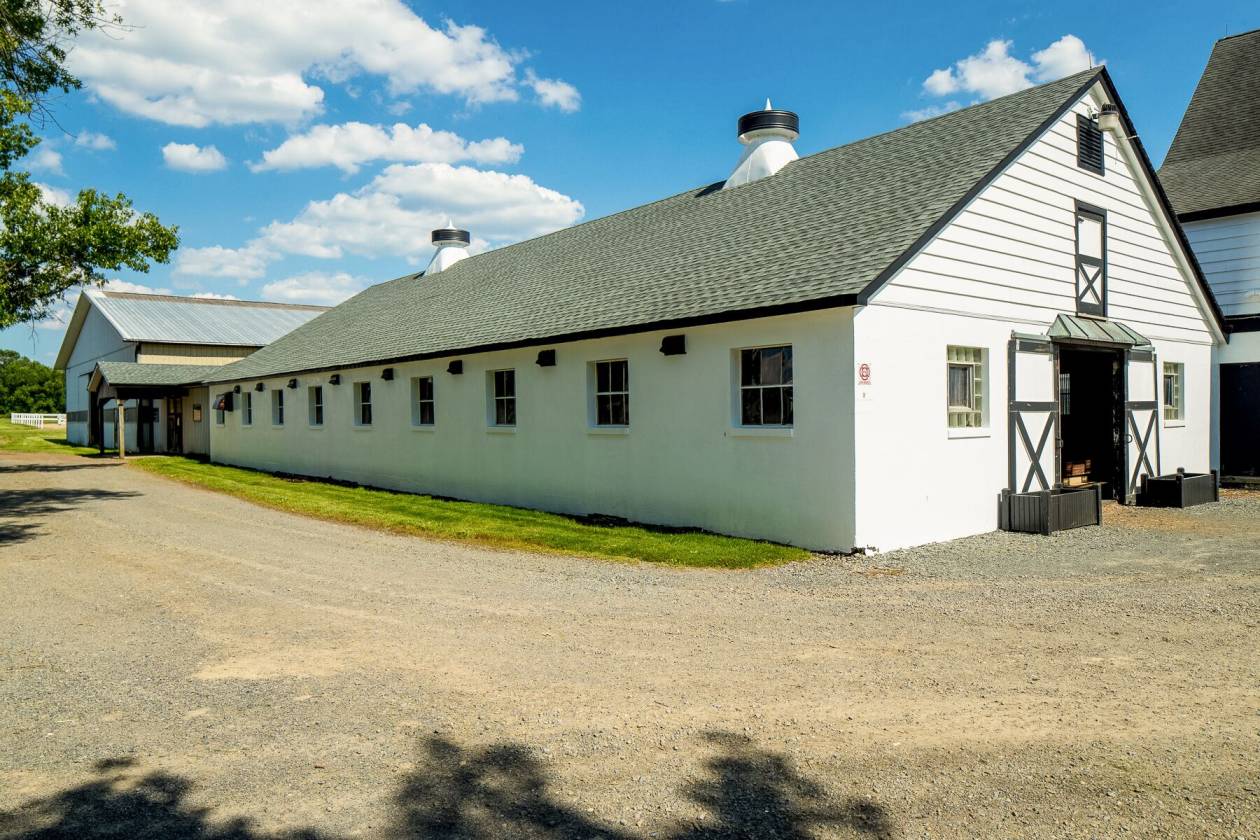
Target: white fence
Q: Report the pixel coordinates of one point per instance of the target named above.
(39, 421)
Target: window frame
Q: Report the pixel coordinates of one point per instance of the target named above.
(786, 407)
(596, 394)
(277, 407)
(978, 383)
(360, 387)
(247, 408)
(315, 406)
(1178, 406)
(1083, 262)
(1087, 124)
(493, 381)
(418, 403)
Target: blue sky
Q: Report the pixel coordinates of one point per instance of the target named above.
(306, 148)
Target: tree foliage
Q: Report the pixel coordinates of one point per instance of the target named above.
(47, 249)
(27, 387)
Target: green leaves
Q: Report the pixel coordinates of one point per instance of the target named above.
(47, 249)
(26, 386)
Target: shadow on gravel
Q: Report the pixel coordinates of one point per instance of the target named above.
(471, 794)
(55, 468)
(20, 504)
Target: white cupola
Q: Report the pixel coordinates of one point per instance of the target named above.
(767, 136)
(452, 246)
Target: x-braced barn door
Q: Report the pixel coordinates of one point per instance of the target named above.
(1141, 422)
(1034, 415)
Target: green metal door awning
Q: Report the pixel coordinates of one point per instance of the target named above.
(1097, 330)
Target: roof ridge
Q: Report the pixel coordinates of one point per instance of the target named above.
(206, 300)
(1239, 35)
(705, 188)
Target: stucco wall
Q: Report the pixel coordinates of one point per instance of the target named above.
(683, 462)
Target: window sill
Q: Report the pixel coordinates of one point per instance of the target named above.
(500, 430)
(315, 426)
(360, 427)
(974, 432)
(432, 427)
(277, 425)
(1174, 424)
(761, 432)
(608, 431)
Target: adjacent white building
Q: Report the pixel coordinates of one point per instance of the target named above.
(1212, 174)
(155, 351)
(856, 349)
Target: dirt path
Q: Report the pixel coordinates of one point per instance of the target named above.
(174, 660)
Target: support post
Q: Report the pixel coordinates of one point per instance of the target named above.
(121, 426)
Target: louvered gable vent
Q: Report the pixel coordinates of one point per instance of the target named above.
(1089, 144)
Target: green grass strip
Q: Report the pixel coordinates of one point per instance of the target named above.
(472, 522)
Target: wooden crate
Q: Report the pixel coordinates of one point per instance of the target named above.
(1048, 511)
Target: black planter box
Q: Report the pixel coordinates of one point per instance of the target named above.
(1047, 511)
(1179, 490)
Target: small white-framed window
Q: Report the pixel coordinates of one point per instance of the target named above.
(423, 405)
(503, 396)
(1174, 391)
(219, 415)
(363, 403)
(247, 409)
(277, 407)
(765, 386)
(612, 393)
(315, 405)
(965, 383)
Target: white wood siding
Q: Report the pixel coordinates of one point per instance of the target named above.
(1228, 250)
(98, 341)
(1010, 255)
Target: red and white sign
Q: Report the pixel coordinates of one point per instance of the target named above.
(864, 374)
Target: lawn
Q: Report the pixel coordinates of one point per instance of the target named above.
(471, 522)
(17, 438)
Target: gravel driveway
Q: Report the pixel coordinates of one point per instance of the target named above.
(180, 664)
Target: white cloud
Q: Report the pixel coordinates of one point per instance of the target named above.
(315, 287)
(189, 157)
(240, 264)
(191, 63)
(929, 111)
(1064, 57)
(46, 159)
(349, 145)
(54, 196)
(396, 212)
(127, 286)
(214, 296)
(994, 72)
(92, 140)
(554, 93)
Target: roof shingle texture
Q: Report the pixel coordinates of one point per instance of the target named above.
(138, 374)
(823, 227)
(182, 320)
(1214, 160)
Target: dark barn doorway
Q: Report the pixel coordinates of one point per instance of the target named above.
(1240, 420)
(1091, 418)
(175, 425)
(146, 418)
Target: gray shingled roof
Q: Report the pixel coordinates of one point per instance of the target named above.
(821, 230)
(1214, 161)
(188, 320)
(136, 374)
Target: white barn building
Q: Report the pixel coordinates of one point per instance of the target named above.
(155, 351)
(1212, 174)
(857, 349)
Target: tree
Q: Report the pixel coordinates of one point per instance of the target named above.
(47, 249)
(27, 387)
